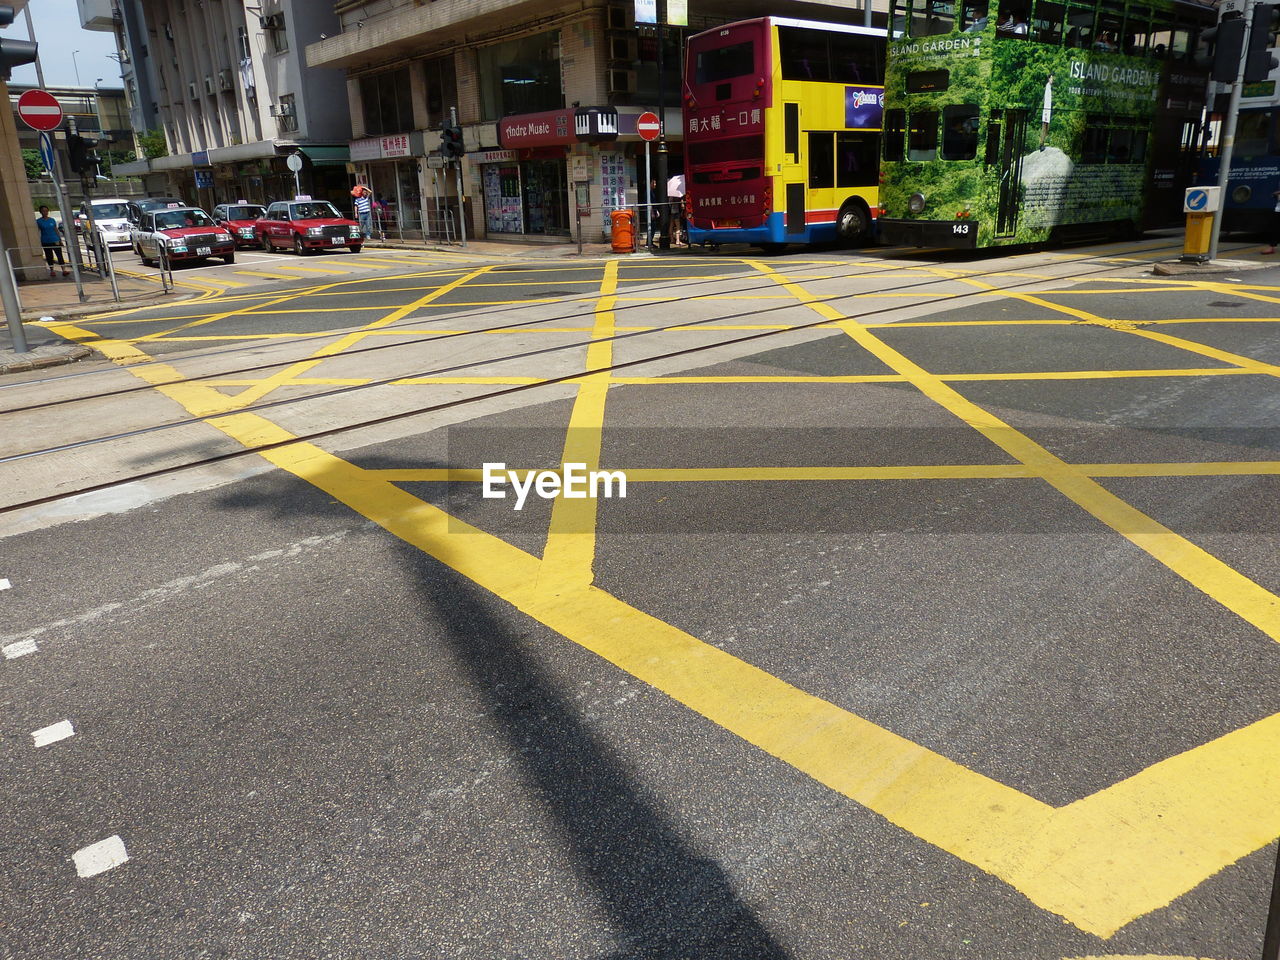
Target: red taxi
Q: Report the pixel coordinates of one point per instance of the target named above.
(304, 225)
(241, 219)
(182, 233)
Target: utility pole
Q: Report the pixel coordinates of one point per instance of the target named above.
(462, 205)
(664, 222)
(1229, 129)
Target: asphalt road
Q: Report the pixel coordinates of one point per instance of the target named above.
(945, 631)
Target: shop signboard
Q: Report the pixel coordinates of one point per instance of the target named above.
(370, 148)
(549, 129)
(396, 145)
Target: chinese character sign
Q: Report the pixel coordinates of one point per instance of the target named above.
(613, 185)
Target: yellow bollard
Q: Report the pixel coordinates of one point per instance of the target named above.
(1195, 246)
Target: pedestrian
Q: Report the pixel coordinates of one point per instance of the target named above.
(1273, 230)
(655, 215)
(675, 192)
(51, 241)
(364, 209)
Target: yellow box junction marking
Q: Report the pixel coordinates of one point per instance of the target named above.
(1100, 862)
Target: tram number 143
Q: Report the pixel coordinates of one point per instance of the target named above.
(961, 229)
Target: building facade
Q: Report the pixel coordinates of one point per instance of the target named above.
(547, 94)
(235, 99)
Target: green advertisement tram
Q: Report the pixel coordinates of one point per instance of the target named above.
(1020, 121)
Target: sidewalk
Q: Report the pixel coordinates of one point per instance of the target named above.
(511, 248)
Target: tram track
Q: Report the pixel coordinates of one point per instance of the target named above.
(411, 322)
(461, 401)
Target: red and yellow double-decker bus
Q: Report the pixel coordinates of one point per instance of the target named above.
(782, 132)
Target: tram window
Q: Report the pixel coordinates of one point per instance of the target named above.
(1046, 25)
(992, 156)
(927, 81)
(822, 160)
(1094, 147)
(898, 19)
(922, 135)
(1161, 36)
(1012, 20)
(1183, 46)
(856, 154)
(1079, 27)
(1120, 146)
(973, 15)
(1136, 27)
(1138, 146)
(856, 58)
(895, 129)
(804, 54)
(1253, 133)
(960, 132)
(939, 17)
(1110, 28)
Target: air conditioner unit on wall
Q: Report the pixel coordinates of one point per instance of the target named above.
(191, 88)
(208, 85)
(622, 81)
(272, 21)
(622, 48)
(620, 18)
(224, 79)
(281, 109)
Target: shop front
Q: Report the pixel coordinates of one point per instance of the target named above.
(526, 183)
(391, 167)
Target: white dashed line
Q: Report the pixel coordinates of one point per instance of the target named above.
(19, 649)
(53, 733)
(5, 584)
(100, 857)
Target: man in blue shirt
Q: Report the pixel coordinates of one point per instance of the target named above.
(364, 209)
(51, 241)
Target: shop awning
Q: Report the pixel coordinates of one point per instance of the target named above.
(328, 156)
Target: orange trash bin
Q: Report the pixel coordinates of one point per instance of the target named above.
(622, 228)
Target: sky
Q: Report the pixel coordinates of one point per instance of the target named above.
(58, 32)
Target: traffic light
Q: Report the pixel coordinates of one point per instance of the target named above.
(1259, 62)
(14, 53)
(1227, 39)
(451, 144)
(84, 158)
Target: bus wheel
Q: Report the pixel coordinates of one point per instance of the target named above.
(853, 225)
(773, 248)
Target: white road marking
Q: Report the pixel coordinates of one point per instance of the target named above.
(100, 857)
(53, 733)
(19, 649)
(5, 584)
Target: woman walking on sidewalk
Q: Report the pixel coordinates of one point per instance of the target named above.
(51, 241)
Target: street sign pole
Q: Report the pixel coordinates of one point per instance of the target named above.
(648, 194)
(1229, 128)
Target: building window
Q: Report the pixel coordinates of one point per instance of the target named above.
(387, 102)
(521, 76)
(279, 36)
(442, 90)
(288, 114)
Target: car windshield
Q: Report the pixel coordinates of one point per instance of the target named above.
(171, 219)
(311, 211)
(244, 213)
(109, 211)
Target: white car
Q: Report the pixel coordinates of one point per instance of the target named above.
(110, 216)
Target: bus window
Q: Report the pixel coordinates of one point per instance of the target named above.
(803, 54)
(960, 132)
(922, 135)
(857, 58)
(1012, 19)
(725, 63)
(822, 160)
(1046, 26)
(973, 15)
(1079, 27)
(895, 130)
(927, 81)
(791, 130)
(856, 153)
(992, 156)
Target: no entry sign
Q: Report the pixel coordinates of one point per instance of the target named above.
(39, 110)
(647, 126)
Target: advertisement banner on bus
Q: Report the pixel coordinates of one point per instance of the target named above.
(863, 107)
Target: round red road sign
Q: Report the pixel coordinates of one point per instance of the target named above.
(647, 126)
(39, 110)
